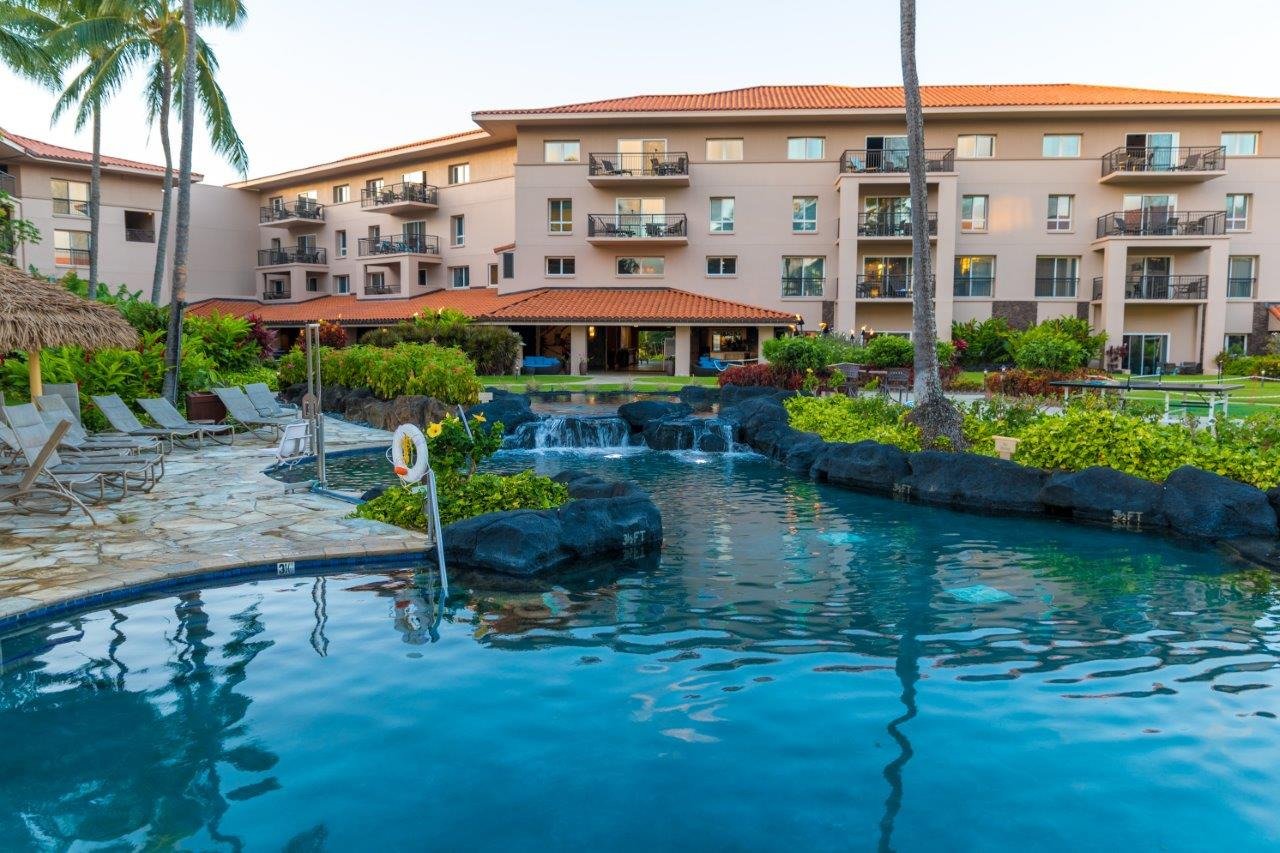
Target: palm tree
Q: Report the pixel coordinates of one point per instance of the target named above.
(933, 413)
(23, 28)
(182, 233)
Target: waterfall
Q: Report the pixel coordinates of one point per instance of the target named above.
(569, 431)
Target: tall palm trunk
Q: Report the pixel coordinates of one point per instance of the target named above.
(166, 198)
(182, 231)
(95, 199)
(933, 413)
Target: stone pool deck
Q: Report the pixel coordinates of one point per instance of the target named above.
(213, 509)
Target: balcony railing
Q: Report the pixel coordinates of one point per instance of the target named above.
(627, 163)
(1166, 287)
(400, 244)
(294, 210)
(1162, 223)
(885, 286)
(268, 295)
(1097, 289)
(139, 235)
(1055, 286)
(1164, 159)
(879, 161)
(638, 225)
(381, 289)
(975, 285)
(71, 257)
(1240, 287)
(399, 193)
(8, 183)
(802, 285)
(892, 223)
(291, 255)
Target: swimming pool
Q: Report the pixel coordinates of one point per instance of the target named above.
(803, 666)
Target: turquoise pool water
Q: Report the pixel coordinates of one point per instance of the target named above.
(802, 667)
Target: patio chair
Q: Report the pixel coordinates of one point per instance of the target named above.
(897, 380)
(117, 472)
(162, 412)
(264, 400)
(36, 480)
(611, 169)
(54, 408)
(243, 412)
(853, 377)
(124, 420)
(69, 391)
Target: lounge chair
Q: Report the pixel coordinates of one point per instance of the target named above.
(37, 481)
(116, 472)
(264, 400)
(162, 412)
(243, 412)
(54, 408)
(69, 391)
(124, 420)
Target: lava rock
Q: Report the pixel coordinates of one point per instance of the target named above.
(756, 420)
(733, 394)
(973, 482)
(700, 398)
(1274, 497)
(353, 406)
(416, 409)
(641, 413)
(511, 410)
(583, 485)
(866, 465)
(294, 393)
(372, 492)
(1107, 495)
(1205, 505)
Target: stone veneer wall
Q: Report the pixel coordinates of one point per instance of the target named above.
(1019, 314)
(1259, 337)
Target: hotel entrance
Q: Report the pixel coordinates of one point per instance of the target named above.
(630, 349)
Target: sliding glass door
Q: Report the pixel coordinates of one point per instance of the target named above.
(1147, 353)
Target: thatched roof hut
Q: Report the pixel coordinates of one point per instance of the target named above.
(35, 314)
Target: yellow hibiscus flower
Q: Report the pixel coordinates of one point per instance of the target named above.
(434, 430)
(478, 417)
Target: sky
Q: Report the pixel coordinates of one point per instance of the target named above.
(314, 80)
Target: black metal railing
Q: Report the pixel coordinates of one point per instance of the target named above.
(802, 285)
(139, 235)
(381, 289)
(1240, 287)
(637, 225)
(1097, 289)
(71, 257)
(397, 193)
(871, 286)
(8, 183)
(627, 163)
(1166, 287)
(974, 285)
(1164, 159)
(400, 244)
(300, 209)
(291, 255)
(1051, 286)
(268, 295)
(892, 223)
(1160, 222)
(873, 161)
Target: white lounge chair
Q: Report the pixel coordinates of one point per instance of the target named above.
(264, 400)
(162, 412)
(37, 481)
(124, 420)
(54, 408)
(244, 413)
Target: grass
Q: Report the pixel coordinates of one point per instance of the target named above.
(639, 382)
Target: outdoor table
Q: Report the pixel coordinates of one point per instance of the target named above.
(1213, 395)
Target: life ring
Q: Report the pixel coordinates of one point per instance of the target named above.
(405, 435)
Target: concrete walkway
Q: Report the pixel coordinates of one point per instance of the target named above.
(214, 508)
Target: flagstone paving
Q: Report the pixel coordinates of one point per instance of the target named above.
(213, 509)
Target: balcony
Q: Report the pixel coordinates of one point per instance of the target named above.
(1163, 164)
(892, 224)
(71, 257)
(803, 285)
(292, 255)
(396, 199)
(1056, 287)
(139, 235)
(1162, 223)
(8, 184)
(863, 161)
(270, 295)
(1097, 289)
(400, 244)
(975, 286)
(381, 289)
(872, 286)
(617, 169)
(638, 229)
(1166, 288)
(299, 214)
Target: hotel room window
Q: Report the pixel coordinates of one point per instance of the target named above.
(722, 266)
(460, 276)
(724, 149)
(561, 267)
(804, 214)
(560, 215)
(973, 213)
(806, 148)
(722, 215)
(460, 173)
(975, 146)
(562, 151)
(1061, 145)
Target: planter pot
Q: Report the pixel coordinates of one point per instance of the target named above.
(205, 406)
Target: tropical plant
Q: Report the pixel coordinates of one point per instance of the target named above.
(492, 348)
(871, 417)
(24, 26)
(986, 341)
(811, 352)
(225, 339)
(332, 334)
(1047, 348)
(441, 372)
(890, 351)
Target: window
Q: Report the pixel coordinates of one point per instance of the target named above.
(1237, 212)
(975, 275)
(460, 173)
(804, 214)
(1060, 145)
(886, 154)
(1240, 144)
(342, 193)
(375, 282)
(559, 215)
(803, 276)
(1240, 276)
(1056, 278)
(973, 213)
(70, 198)
(1059, 218)
(71, 248)
(276, 203)
(561, 267)
(974, 146)
(722, 215)
(373, 186)
(422, 276)
(641, 266)
(313, 284)
(342, 283)
(724, 149)
(1235, 343)
(725, 265)
(340, 243)
(508, 264)
(139, 226)
(460, 276)
(562, 151)
(493, 275)
(805, 148)
(458, 230)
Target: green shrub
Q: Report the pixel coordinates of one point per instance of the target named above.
(986, 341)
(839, 418)
(226, 339)
(985, 419)
(441, 372)
(494, 492)
(493, 349)
(1044, 347)
(816, 352)
(890, 351)
(1251, 365)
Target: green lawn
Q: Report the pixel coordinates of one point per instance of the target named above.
(640, 382)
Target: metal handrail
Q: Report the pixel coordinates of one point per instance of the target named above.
(381, 289)
(870, 286)
(974, 285)
(1151, 222)
(401, 192)
(299, 209)
(139, 235)
(1247, 281)
(291, 255)
(8, 183)
(879, 160)
(73, 257)
(1165, 159)
(892, 223)
(268, 295)
(803, 285)
(1166, 287)
(400, 244)
(632, 163)
(637, 225)
(1059, 286)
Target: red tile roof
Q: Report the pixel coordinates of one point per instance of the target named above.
(549, 305)
(824, 97)
(49, 151)
(1275, 311)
